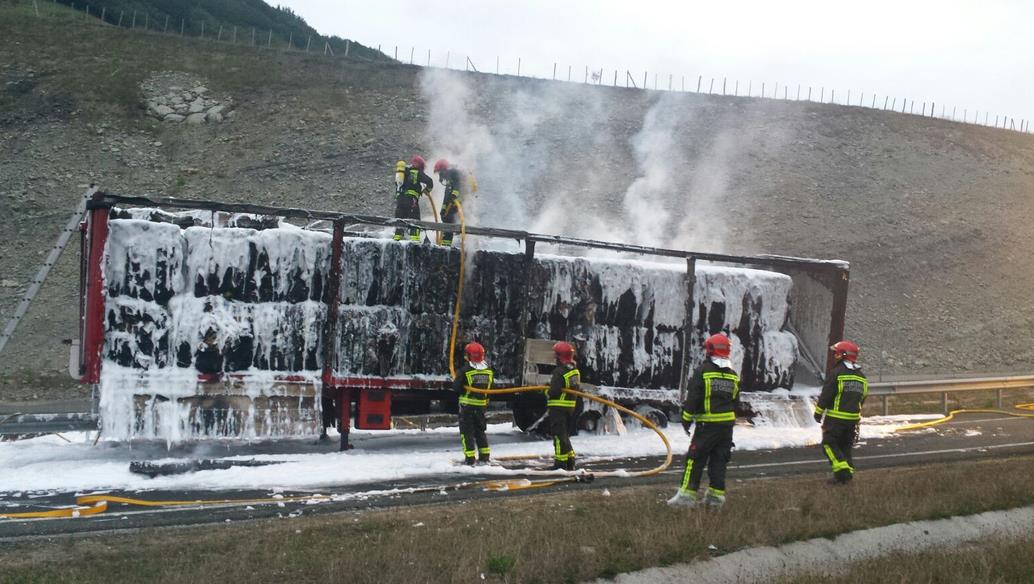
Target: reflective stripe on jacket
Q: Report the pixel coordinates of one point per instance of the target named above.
(565, 376)
(712, 395)
(471, 377)
(843, 394)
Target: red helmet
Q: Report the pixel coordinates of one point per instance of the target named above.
(564, 352)
(475, 352)
(417, 162)
(441, 165)
(718, 346)
(845, 350)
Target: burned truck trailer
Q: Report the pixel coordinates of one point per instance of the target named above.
(206, 319)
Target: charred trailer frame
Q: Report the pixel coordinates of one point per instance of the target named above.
(356, 287)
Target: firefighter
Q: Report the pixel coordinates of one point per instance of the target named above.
(475, 373)
(561, 406)
(711, 399)
(452, 180)
(841, 401)
(414, 183)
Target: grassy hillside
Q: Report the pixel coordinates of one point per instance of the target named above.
(930, 213)
(278, 26)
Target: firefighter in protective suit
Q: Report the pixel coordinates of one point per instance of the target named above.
(453, 183)
(410, 184)
(712, 395)
(475, 373)
(562, 406)
(840, 402)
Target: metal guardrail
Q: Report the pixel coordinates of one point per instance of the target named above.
(886, 389)
(16, 424)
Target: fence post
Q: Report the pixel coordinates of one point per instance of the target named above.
(822, 96)
(269, 40)
(104, 11)
(308, 43)
(798, 92)
(944, 402)
(710, 89)
(134, 19)
(924, 108)
(519, 67)
(809, 93)
(874, 101)
(699, 79)
(885, 406)
(554, 73)
(671, 77)
(861, 98)
(832, 96)
(683, 83)
(885, 99)
(219, 36)
(785, 91)
(736, 90)
(569, 72)
(147, 19)
(996, 121)
(723, 85)
(202, 29)
(615, 75)
(235, 35)
(253, 36)
(644, 79)
(36, 8)
(953, 110)
(750, 88)
(848, 102)
(775, 91)
(762, 90)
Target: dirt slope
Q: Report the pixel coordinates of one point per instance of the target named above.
(932, 215)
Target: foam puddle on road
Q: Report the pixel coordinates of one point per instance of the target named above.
(767, 564)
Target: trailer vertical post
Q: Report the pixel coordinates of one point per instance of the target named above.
(330, 335)
(529, 261)
(838, 316)
(92, 324)
(687, 323)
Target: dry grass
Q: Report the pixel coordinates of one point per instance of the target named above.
(994, 562)
(551, 537)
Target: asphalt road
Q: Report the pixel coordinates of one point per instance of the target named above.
(975, 437)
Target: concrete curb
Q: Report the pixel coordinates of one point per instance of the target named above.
(763, 564)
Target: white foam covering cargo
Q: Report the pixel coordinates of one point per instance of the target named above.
(251, 304)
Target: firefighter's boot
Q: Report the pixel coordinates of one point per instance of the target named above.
(687, 499)
(714, 499)
(469, 461)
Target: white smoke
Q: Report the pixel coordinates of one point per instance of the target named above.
(552, 158)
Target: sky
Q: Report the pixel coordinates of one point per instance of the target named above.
(968, 55)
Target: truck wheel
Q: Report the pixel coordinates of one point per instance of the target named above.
(656, 416)
(525, 415)
(589, 421)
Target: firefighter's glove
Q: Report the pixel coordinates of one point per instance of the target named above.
(687, 426)
(818, 417)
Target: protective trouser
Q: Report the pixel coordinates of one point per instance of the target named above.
(472, 433)
(449, 216)
(559, 422)
(838, 437)
(407, 207)
(711, 447)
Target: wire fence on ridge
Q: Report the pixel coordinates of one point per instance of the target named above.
(142, 21)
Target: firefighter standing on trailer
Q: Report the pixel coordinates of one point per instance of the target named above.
(453, 182)
(475, 373)
(561, 406)
(711, 399)
(841, 401)
(408, 189)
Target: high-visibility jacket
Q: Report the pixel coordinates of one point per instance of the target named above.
(415, 182)
(711, 395)
(565, 376)
(471, 376)
(843, 393)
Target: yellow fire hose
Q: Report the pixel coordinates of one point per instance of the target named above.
(951, 415)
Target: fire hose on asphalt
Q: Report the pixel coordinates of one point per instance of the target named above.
(951, 415)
